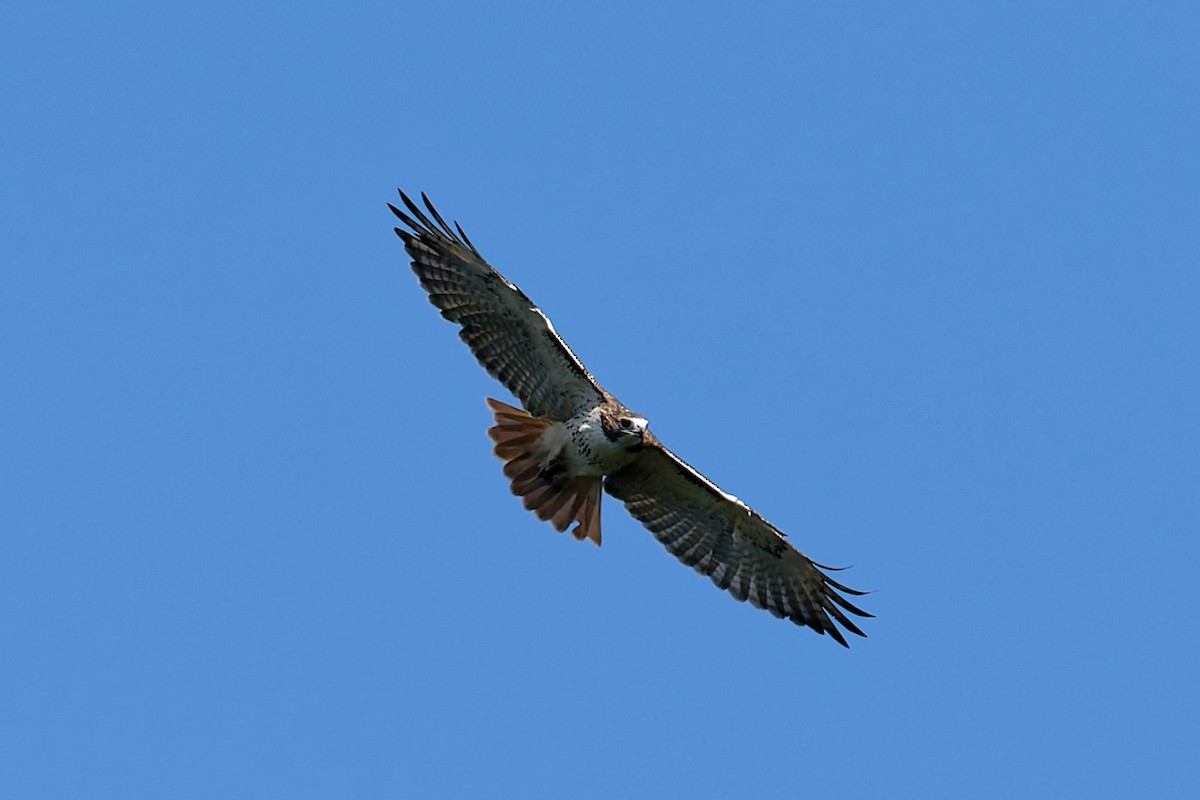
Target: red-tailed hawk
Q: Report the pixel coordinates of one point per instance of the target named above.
(573, 438)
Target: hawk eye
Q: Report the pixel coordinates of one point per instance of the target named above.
(626, 423)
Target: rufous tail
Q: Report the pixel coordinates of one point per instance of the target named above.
(521, 443)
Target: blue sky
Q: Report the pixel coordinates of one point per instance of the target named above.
(918, 281)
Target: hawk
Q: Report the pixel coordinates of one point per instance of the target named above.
(572, 438)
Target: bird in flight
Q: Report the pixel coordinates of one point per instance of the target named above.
(572, 438)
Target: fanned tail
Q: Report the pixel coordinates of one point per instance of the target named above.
(522, 443)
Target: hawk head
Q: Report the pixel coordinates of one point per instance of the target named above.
(623, 426)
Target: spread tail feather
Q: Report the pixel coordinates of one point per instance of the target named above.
(521, 443)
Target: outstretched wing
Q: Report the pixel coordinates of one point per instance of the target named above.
(511, 337)
(721, 537)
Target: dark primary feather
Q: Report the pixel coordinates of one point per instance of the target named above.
(512, 339)
(726, 540)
